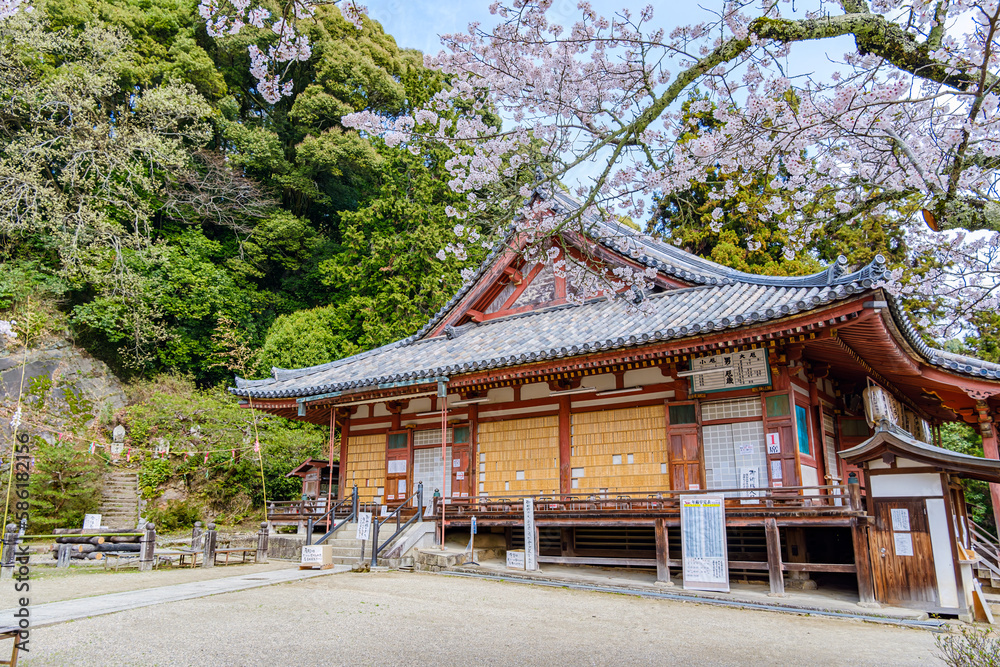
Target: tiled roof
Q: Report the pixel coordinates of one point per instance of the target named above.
(561, 331)
(722, 298)
(667, 259)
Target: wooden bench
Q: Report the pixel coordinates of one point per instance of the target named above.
(11, 632)
(242, 551)
(119, 558)
(167, 555)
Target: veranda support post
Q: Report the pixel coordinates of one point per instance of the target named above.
(774, 566)
(662, 554)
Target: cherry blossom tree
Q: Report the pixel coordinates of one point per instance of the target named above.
(906, 126)
(908, 121)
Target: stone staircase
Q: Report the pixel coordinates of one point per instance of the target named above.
(120, 500)
(346, 548)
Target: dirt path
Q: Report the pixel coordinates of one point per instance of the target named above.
(423, 619)
(49, 584)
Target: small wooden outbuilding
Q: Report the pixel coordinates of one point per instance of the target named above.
(921, 551)
(316, 475)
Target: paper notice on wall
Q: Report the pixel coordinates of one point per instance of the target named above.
(456, 463)
(460, 474)
(744, 449)
(401, 488)
(750, 479)
(900, 518)
(396, 466)
(703, 543)
(773, 443)
(903, 543)
(775, 470)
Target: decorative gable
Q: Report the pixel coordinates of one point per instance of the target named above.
(513, 286)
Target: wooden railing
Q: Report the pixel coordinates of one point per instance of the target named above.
(811, 500)
(299, 510)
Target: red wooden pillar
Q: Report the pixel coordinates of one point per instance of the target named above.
(565, 446)
(992, 451)
(345, 427)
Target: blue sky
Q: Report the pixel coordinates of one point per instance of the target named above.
(417, 24)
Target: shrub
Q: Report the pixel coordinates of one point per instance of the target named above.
(174, 515)
(972, 647)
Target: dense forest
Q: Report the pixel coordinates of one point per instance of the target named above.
(156, 211)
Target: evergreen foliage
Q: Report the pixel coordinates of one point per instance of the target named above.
(65, 484)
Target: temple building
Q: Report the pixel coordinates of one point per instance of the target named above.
(809, 403)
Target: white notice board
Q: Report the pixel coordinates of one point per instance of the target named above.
(703, 543)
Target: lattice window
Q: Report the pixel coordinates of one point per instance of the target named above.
(731, 447)
(731, 409)
(431, 437)
(428, 468)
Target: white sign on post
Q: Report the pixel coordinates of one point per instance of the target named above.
(317, 554)
(515, 559)
(91, 521)
(530, 548)
(364, 525)
(703, 543)
(773, 443)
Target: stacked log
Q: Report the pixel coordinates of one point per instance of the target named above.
(83, 546)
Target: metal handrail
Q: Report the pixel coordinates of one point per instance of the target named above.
(353, 498)
(376, 548)
(986, 546)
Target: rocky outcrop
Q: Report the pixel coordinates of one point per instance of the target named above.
(61, 377)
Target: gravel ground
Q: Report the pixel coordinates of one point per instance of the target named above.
(422, 619)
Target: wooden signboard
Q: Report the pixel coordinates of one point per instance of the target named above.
(703, 543)
(725, 372)
(750, 479)
(530, 548)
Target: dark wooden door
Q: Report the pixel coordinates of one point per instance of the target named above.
(397, 467)
(902, 560)
(782, 465)
(685, 459)
(460, 482)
